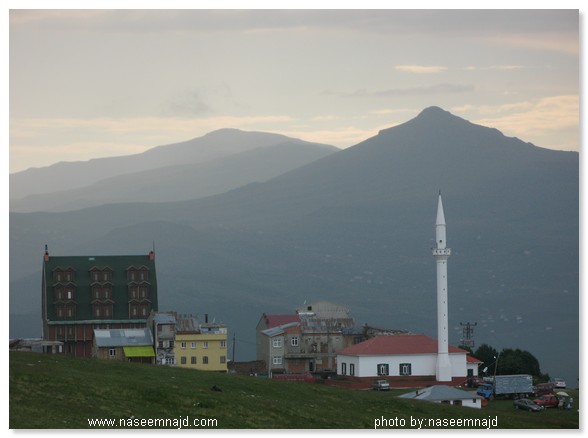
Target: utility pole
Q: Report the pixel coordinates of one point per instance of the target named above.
(467, 339)
(233, 350)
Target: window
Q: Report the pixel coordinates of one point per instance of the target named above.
(205, 344)
(405, 369)
(223, 344)
(277, 342)
(223, 359)
(352, 369)
(193, 345)
(205, 360)
(183, 344)
(183, 360)
(193, 360)
(112, 352)
(277, 360)
(169, 361)
(343, 368)
(294, 341)
(383, 369)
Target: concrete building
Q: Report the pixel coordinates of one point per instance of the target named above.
(307, 341)
(200, 346)
(163, 328)
(133, 345)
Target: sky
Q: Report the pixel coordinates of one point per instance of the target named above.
(94, 83)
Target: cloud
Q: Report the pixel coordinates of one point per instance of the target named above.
(553, 119)
(442, 88)
(527, 28)
(186, 104)
(420, 69)
(564, 41)
(505, 67)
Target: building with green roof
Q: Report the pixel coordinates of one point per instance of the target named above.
(83, 293)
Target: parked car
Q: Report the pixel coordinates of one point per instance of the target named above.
(559, 382)
(381, 385)
(544, 389)
(547, 401)
(473, 382)
(526, 404)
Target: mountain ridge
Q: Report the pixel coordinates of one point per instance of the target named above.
(181, 181)
(356, 227)
(215, 144)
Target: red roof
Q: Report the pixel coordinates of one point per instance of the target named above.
(396, 344)
(276, 320)
(472, 359)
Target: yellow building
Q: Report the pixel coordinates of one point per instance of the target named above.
(200, 346)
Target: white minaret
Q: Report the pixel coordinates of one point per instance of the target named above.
(441, 254)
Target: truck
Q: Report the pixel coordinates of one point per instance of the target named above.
(510, 386)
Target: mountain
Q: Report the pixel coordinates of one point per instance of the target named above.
(356, 228)
(64, 176)
(182, 181)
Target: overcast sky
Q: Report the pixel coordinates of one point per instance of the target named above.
(95, 83)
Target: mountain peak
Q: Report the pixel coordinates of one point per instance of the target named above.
(435, 112)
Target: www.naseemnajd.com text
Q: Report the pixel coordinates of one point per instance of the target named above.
(177, 423)
(432, 423)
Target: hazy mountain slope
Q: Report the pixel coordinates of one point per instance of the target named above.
(181, 182)
(356, 227)
(68, 175)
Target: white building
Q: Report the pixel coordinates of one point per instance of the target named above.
(401, 357)
(446, 394)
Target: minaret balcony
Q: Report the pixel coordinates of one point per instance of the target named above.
(441, 251)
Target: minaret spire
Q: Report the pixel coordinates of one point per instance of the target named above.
(441, 254)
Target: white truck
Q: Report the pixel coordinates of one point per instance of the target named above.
(510, 386)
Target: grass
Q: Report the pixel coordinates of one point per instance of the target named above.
(56, 392)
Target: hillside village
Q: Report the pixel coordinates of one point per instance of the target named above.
(106, 307)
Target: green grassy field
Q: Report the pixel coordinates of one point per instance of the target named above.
(55, 392)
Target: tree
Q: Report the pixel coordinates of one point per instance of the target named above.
(510, 361)
(520, 362)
